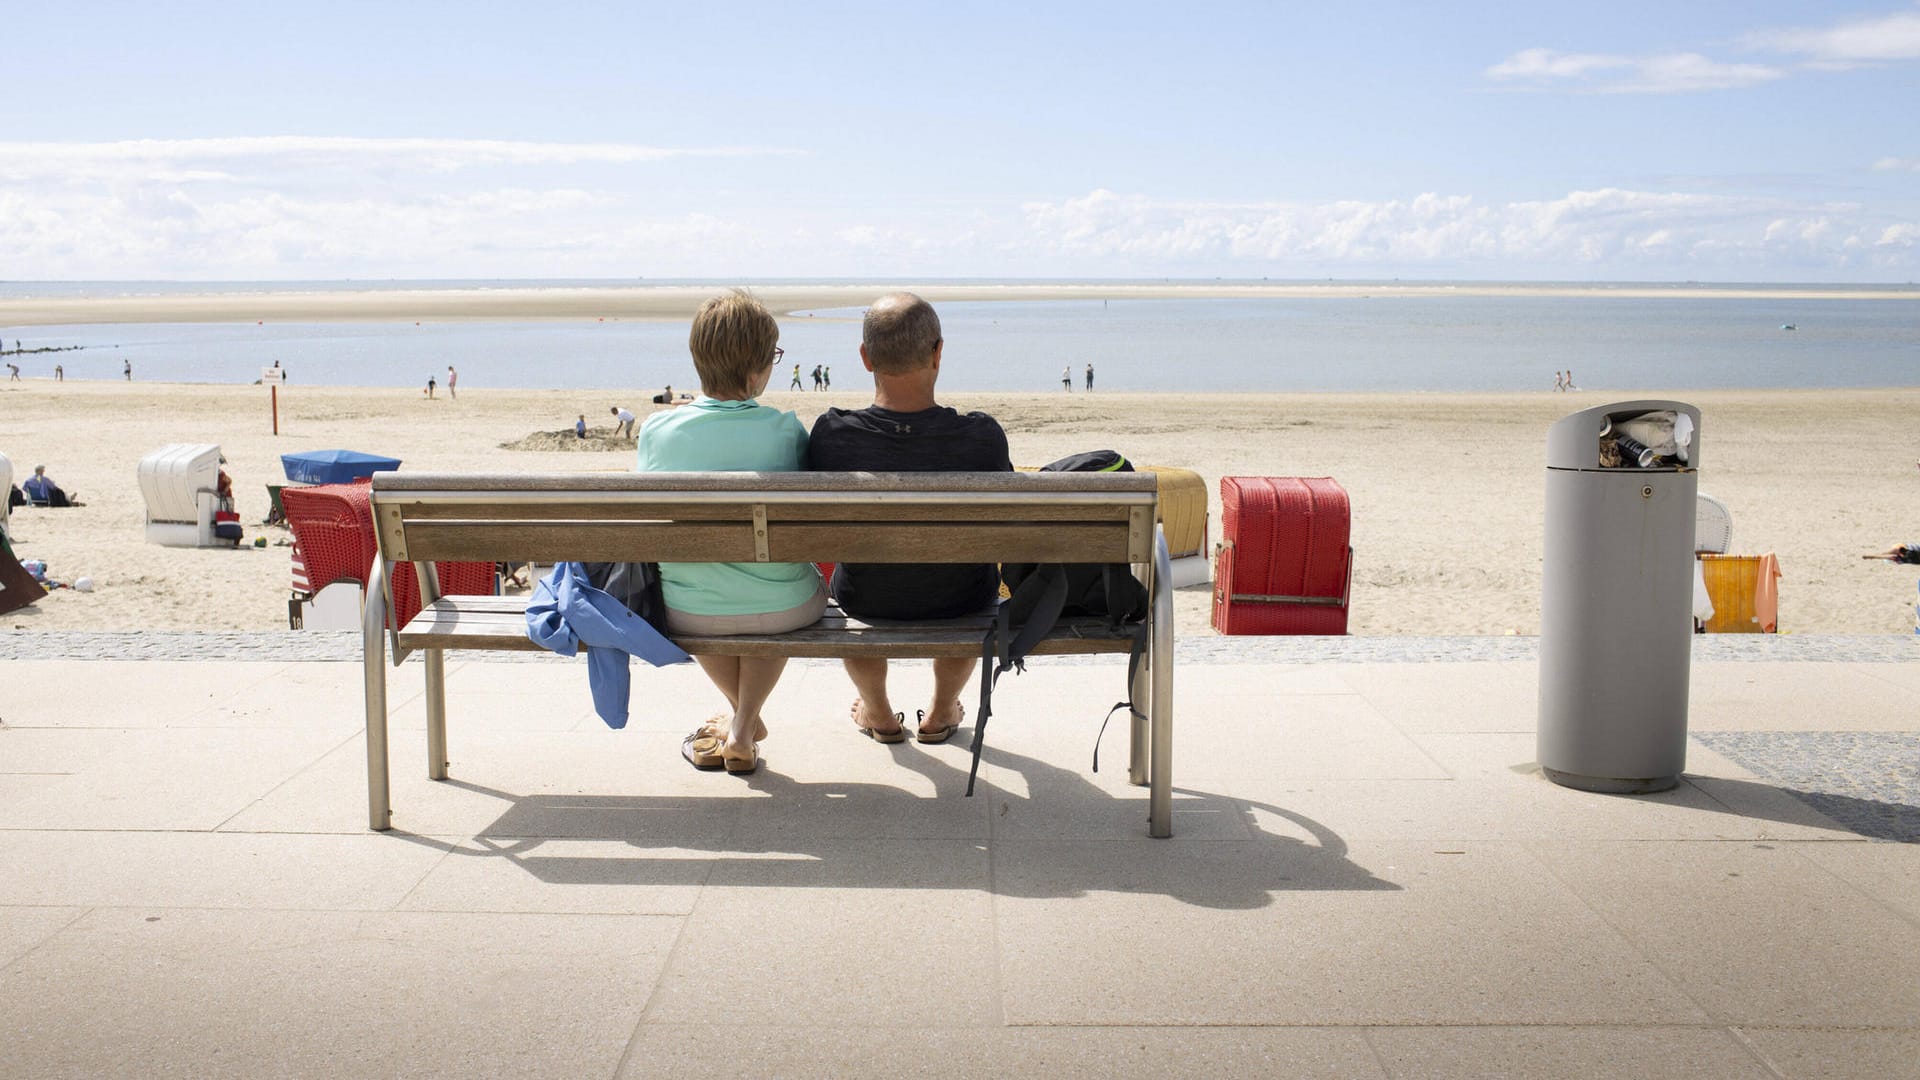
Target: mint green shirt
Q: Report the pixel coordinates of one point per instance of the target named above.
(728, 436)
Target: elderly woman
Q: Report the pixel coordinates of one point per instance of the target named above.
(734, 345)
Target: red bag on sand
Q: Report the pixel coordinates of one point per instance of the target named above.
(1286, 566)
(226, 525)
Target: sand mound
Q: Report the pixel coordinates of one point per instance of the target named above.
(568, 442)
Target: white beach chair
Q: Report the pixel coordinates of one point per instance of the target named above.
(6, 504)
(180, 483)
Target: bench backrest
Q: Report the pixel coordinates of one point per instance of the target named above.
(767, 517)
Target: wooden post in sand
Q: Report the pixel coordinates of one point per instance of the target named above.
(273, 377)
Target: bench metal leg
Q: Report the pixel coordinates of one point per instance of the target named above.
(1160, 654)
(373, 629)
(436, 664)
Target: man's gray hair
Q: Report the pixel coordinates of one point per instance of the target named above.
(900, 333)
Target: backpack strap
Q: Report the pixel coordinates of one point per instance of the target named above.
(1035, 609)
(1135, 654)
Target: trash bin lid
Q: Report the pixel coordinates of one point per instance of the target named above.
(1573, 441)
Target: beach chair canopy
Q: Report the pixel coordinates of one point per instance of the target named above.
(172, 477)
(1712, 525)
(6, 485)
(334, 466)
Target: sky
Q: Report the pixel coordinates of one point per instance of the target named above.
(1629, 141)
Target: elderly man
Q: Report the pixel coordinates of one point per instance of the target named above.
(42, 491)
(907, 430)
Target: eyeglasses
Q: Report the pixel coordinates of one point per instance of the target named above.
(778, 353)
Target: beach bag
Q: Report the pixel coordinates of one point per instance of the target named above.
(1042, 593)
(635, 584)
(226, 525)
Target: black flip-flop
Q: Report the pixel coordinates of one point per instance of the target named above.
(945, 733)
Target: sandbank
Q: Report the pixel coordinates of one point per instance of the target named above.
(673, 302)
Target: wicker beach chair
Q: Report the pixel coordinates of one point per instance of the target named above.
(333, 541)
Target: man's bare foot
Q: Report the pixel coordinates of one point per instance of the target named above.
(877, 725)
(937, 724)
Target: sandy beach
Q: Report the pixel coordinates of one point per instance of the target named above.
(680, 301)
(1447, 489)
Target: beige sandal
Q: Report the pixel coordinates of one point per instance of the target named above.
(898, 734)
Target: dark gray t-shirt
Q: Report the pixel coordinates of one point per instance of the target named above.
(932, 440)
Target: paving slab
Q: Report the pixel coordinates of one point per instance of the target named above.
(1124, 1053)
(1281, 932)
(1756, 933)
(24, 928)
(1815, 1054)
(1518, 1053)
(864, 934)
(142, 992)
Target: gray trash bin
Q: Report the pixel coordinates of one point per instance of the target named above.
(1616, 600)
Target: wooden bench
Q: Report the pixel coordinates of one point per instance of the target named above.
(765, 517)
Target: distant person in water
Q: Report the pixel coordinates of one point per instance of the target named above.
(430, 386)
(126, 368)
(1089, 378)
(1066, 378)
(453, 380)
(59, 373)
(13, 372)
(580, 427)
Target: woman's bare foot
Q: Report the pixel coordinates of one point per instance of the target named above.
(877, 725)
(937, 725)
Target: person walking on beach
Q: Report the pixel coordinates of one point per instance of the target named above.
(826, 376)
(623, 422)
(430, 386)
(906, 429)
(580, 427)
(816, 378)
(797, 384)
(1089, 378)
(13, 372)
(1066, 378)
(453, 379)
(59, 373)
(1559, 382)
(126, 368)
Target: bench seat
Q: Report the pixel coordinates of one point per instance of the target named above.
(500, 623)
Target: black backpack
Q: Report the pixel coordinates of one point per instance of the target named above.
(1043, 593)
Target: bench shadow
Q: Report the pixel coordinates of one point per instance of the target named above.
(1245, 869)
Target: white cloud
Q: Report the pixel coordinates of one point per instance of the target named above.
(1663, 73)
(1604, 232)
(1894, 164)
(1849, 44)
(181, 160)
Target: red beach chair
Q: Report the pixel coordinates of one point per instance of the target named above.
(333, 541)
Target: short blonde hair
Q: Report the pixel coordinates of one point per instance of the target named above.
(732, 341)
(900, 332)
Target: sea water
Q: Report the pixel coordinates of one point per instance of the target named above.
(1384, 343)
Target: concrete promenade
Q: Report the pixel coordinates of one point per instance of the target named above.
(1369, 878)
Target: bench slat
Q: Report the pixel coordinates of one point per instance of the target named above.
(499, 624)
(867, 542)
(629, 508)
(393, 483)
